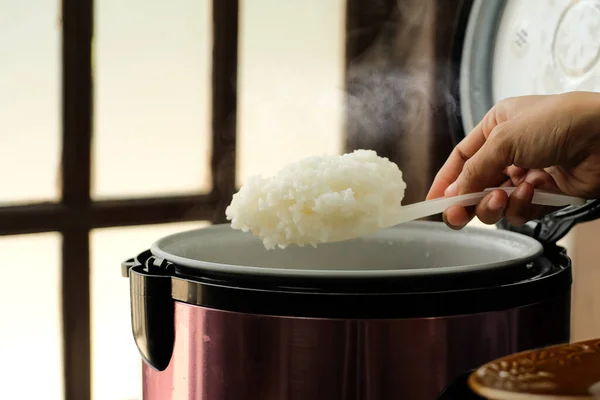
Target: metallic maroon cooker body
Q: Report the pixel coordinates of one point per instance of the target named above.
(206, 335)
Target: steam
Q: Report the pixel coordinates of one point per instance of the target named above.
(384, 102)
(395, 85)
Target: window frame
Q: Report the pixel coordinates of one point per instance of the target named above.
(76, 214)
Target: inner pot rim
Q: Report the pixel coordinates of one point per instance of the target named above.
(532, 250)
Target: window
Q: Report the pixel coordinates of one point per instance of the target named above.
(152, 62)
(30, 296)
(68, 220)
(30, 85)
(276, 111)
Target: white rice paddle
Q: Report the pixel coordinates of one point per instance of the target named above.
(438, 206)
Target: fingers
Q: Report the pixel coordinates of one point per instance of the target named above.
(516, 174)
(517, 209)
(537, 177)
(491, 209)
(457, 217)
(520, 209)
(486, 167)
(457, 159)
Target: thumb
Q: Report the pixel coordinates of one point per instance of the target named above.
(486, 167)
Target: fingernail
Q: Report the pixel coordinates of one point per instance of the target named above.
(451, 190)
(456, 224)
(494, 204)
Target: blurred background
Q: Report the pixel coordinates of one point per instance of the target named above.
(124, 121)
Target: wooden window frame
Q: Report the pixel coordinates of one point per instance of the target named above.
(76, 214)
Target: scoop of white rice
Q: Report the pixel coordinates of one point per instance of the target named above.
(319, 199)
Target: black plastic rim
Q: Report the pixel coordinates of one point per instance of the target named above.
(375, 299)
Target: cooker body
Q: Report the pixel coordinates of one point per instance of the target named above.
(223, 355)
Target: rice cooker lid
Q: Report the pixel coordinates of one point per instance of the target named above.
(416, 250)
(515, 47)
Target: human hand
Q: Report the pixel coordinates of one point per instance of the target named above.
(547, 142)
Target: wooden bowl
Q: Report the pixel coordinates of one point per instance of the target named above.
(564, 372)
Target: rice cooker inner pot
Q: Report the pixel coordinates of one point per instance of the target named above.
(419, 269)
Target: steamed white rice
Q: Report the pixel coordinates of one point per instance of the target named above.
(319, 199)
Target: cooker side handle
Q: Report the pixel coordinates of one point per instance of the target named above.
(152, 313)
(554, 226)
